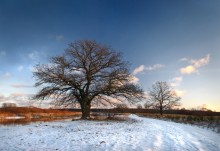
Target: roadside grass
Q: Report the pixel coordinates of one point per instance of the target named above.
(211, 122)
(22, 115)
(109, 116)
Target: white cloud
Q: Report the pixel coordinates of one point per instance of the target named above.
(180, 93)
(195, 64)
(154, 67)
(183, 59)
(20, 68)
(2, 53)
(201, 62)
(142, 68)
(139, 69)
(22, 99)
(176, 81)
(188, 70)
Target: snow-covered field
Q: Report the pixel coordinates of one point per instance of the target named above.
(137, 133)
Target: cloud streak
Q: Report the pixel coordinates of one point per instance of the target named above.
(201, 62)
(179, 93)
(143, 68)
(183, 59)
(195, 65)
(176, 81)
(23, 99)
(139, 69)
(188, 69)
(20, 99)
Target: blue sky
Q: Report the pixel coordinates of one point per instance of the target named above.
(177, 41)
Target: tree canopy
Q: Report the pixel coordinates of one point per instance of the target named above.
(162, 96)
(87, 72)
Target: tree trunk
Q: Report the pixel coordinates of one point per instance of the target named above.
(161, 110)
(85, 108)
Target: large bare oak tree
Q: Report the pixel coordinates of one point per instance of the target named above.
(162, 96)
(87, 72)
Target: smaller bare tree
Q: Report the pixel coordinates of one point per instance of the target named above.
(139, 106)
(162, 96)
(122, 106)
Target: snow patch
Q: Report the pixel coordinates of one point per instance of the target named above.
(14, 117)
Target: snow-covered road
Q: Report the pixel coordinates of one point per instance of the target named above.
(135, 134)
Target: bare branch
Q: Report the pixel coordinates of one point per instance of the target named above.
(162, 96)
(86, 72)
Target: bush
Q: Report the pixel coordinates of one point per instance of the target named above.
(189, 118)
(139, 106)
(121, 106)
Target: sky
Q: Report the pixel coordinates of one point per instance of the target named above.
(177, 41)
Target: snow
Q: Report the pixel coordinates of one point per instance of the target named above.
(135, 134)
(14, 117)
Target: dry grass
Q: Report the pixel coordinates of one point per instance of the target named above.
(109, 116)
(182, 117)
(34, 115)
(34, 112)
(212, 122)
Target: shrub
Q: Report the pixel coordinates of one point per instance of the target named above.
(189, 118)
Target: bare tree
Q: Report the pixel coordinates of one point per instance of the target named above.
(121, 106)
(162, 96)
(86, 73)
(4, 105)
(139, 106)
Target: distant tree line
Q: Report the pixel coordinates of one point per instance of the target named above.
(151, 111)
(4, 105)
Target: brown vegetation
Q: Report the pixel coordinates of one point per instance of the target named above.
(35, 112)
(202, 120)
(152, 111)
